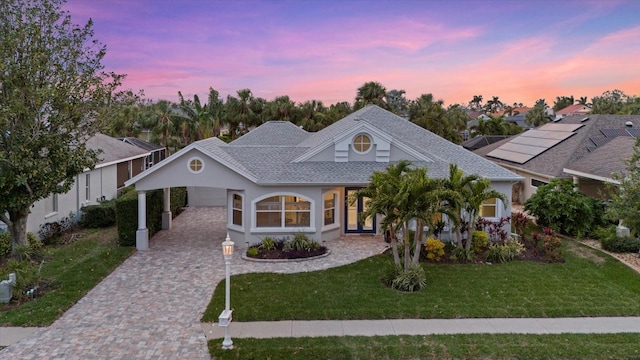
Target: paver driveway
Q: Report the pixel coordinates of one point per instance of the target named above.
(150, 307)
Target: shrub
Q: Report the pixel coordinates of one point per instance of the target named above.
(558, 206)
(5, 244)
(268, 244)
(312, 245)
(620, 244)
(479, 241)
(502, 253)
(495, 230)
(463, 255)
(391, 272)
(27, 277)
(48, 232)
(520, 222)
(100, 215)
(300, 241)
(552, 246)
(434, 249)
(252, 252)
(410, 280)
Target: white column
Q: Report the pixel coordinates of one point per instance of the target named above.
(142, 234)
(166, 214)
(576, 183)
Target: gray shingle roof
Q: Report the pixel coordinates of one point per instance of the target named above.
(113, 149)
(141, 143)
(267, 153)
(606, 159)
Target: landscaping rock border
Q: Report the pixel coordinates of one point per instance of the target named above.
(247, 258)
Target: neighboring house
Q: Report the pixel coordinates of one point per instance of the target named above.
(156, 152)
(482, 140)
(281, 180)
(575, 109)
(586, 149)
(117, 163)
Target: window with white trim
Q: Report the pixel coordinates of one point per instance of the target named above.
(537, 183)
(236, 210)
(87, 187)
(329, 208)
(51, 204)
(283, 211)
(489, 208)
(361, 143)
(195, 165)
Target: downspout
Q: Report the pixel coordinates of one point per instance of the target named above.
(78, 198)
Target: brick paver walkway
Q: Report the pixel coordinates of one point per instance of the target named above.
(150, 307)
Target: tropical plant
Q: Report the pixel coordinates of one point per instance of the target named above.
(434, 249)
(371, 93)
(413, 279)
(479, 241)
(267, 243)
(163, 121)
(494, 105)
(537, 115)
(564, 209)
(562, 102)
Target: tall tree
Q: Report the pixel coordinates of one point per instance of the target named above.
(163, 121)
(397, 102)
(583, 100)
(562, 102)
(610, 102)
(121, 114)
(537, 115)
(430, 114)
(494, 105)
(52, 84)
(371, 93)
(495, 125)
(239, 114)
(476, 103)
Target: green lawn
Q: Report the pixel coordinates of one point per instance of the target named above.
(74, 270)
(502, 346)
(589, 283)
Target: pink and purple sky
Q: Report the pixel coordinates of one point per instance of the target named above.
(324, 50)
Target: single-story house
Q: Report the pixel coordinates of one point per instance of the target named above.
(586, 149)
(575, 109)
(157, 152)
(118, 161)
(282, 180)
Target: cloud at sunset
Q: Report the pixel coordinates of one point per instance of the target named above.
(518, 50)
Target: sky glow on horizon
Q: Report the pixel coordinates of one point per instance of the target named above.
(324, 50)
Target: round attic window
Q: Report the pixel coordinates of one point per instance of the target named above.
(195, 165)
(361, 143)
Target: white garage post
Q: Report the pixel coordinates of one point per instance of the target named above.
(166, 214)
(142, 235)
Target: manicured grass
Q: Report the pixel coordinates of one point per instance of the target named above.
(496, 346)
(74, 270)
(589, 283)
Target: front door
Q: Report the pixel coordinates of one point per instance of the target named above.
(352, 214)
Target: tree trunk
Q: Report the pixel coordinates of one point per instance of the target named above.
(407, 247)
(18, 230)
(418, 241)
(394, 246)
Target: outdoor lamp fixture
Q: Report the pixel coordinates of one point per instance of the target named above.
(224, 320)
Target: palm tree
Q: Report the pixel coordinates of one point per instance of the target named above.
(162, 119)
(476, 103)
(239, 114)
(494, 105)
(583, 100)
(312, 115)
(371, 93)
(196, 119)
(458, 184)
(475, 194)
(398, 103)
(386, 199)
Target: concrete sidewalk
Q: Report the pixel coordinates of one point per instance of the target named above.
(317, 328)
(273, 329)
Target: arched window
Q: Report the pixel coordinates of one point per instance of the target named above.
(283, 211)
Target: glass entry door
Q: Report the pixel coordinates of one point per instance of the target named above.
(352, 214)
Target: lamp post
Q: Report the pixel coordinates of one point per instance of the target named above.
(225, 317)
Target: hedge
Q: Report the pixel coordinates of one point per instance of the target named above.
(100, 215)
(127, 212)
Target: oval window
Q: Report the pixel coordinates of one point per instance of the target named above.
(361, 143)
(196, 165)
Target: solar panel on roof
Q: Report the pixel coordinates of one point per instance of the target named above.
(560, 127)
(510, 156)
(532, 143)
(614, 132)
(634, 132)
(599, 140)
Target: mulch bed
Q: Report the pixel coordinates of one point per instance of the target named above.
(291, 254)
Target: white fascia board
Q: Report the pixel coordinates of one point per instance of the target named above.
(158, 166)
(101, 165)
(590, 176)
